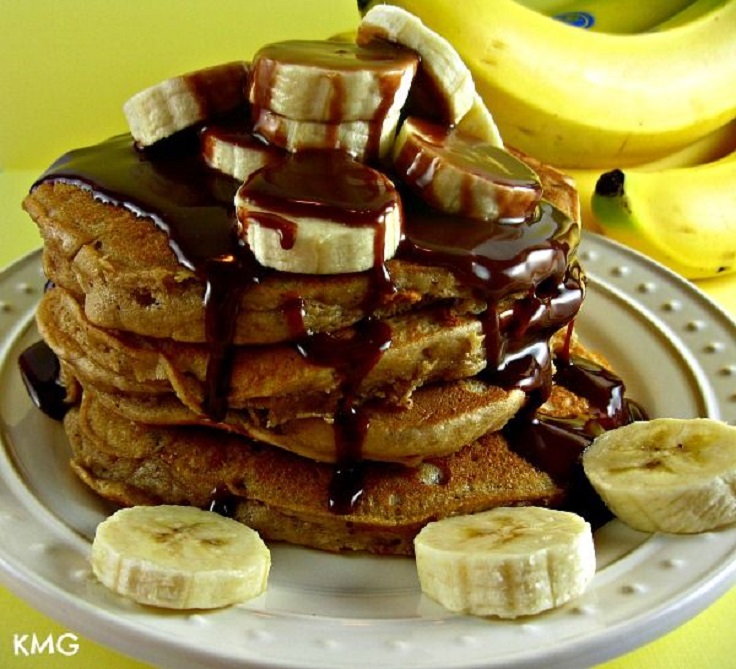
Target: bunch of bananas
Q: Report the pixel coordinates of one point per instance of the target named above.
(641, 113)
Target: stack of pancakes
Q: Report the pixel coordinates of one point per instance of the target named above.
(339, 411)
(128, 323)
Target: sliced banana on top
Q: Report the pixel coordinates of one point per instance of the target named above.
(180, 102)
(506, 562)
(365, 141)
(442, 75)
(460, 174)
(331, 81)
(667, 474)
(179, 557)
(478, 122)
(233, 149)
(320, 212)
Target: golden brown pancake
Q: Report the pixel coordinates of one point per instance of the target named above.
(441, 419)
(124, 269)
(286, 497)
(428, 345)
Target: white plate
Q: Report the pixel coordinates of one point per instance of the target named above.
(675, 349)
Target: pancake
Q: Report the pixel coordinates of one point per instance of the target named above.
(341, 412)
(144, 458)
(290, 498)
(286, 497)
(124, 265)
(426, 346)
(442, 418)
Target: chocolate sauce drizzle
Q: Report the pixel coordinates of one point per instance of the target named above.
(39, 369)
(497, 260)
(172, 187)
(555, 445)
(353, 357)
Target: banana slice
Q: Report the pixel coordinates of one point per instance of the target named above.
(506, 562)
(331, 81)
(174, 104)
(442, 75)
(179, 557)
(320, 212)
(667, 474)
(460, 174)
(478, 122)
(364, 140)
(233, 149)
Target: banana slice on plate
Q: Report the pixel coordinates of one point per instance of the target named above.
(506, 562)
(179, 557)
(331, 81)
(443, 76)
(460, 174)
(319, 212)
(667, 474)
(180, 102)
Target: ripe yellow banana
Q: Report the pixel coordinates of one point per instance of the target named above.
(574, 98)
(622, 16)
(668, 474)
(690, 12)
(712, 146)
(682, 217)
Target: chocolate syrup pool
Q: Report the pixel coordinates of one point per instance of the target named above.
(171, 187)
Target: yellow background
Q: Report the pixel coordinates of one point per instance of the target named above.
(65, 70)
